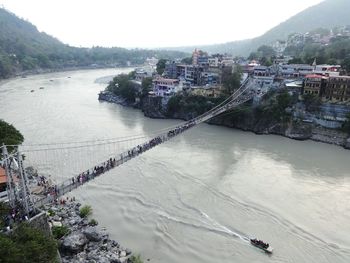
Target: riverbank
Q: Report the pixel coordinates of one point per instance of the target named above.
(79, 238)
(153, 107)
(26, 73)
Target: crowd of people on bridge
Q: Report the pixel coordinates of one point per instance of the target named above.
(55, 191)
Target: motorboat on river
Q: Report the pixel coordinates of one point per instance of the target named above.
(262, 245)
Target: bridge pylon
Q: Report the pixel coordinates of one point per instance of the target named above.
(18, 193)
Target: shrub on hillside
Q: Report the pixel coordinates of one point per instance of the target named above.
(59, 231)
(85, 211)
(27, 244)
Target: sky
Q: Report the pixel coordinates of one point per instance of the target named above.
(154, 23)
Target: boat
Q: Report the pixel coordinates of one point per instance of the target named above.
(262, 245)
(32, 90)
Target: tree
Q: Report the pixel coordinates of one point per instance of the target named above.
(9, 135)
(231, 80)
(146, 86)
(346, 125)
(123, 87)
(187, 60)
(312, 102)
(266, 51)
(265, 61)
(161, 66)
(346, 63)
(28, 245)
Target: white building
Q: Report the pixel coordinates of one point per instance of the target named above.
(165, 87)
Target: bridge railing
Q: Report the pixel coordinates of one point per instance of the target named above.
(238, 97)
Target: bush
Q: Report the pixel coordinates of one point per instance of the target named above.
(59, 231)
(93, 222)
(9, 135)
(85, 211)
(51, 212)
(136, 259)
(26, 244)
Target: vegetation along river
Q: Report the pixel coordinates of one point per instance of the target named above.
(198, 197)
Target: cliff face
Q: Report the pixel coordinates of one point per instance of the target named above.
(154, 107)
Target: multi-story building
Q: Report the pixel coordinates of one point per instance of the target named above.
(337, 89)
(327, 70)
(200, 58)
(144, 72)
(209, 78)
(193, 73)
(263, 75)
(165, 87)
(214, 62)
(294, 71)
(170, 70)
(315, 84)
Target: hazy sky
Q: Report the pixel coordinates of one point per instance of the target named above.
(154, 23)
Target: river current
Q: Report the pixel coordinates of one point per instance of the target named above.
(198, 197)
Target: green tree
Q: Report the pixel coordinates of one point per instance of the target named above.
(146, 86)
(85, 211)
(9, 135)
(231, 80)
(346, 63)
(346, 125)
(161, 66)
(187, 60)
(28, 245)
(265, 61)
(136, 259)
(123, 87)
(266, 51)
(312, 102)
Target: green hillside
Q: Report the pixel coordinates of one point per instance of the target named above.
(23, 47)
(327, 14)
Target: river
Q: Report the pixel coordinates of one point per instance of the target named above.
(199, 196)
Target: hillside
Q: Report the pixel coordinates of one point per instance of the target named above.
(327, 14)
(23, 48)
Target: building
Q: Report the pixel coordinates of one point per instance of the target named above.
(170, 70)
(3, 180)
(209, 78)
(263, 75)
(164, 87)
(314, 84)
(337, 89)
(207, 91)
(214, 62)
(144, 72)
(200, 58)
(192, 74)
(294, 71)
(327, 70)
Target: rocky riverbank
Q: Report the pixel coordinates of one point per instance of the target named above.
(110, 97)
(83, 240)
(154, 107)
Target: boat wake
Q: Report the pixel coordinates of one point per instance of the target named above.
(216, 226)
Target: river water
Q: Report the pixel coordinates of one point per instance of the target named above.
(199, 196)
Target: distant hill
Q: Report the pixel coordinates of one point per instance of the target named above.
(327, 14)
(24, 48)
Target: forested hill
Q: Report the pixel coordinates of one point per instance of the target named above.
(327, 14)
(23, 47)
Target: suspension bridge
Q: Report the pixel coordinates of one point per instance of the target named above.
(91, 158)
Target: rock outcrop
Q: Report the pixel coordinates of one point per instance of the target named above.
(84, 243)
